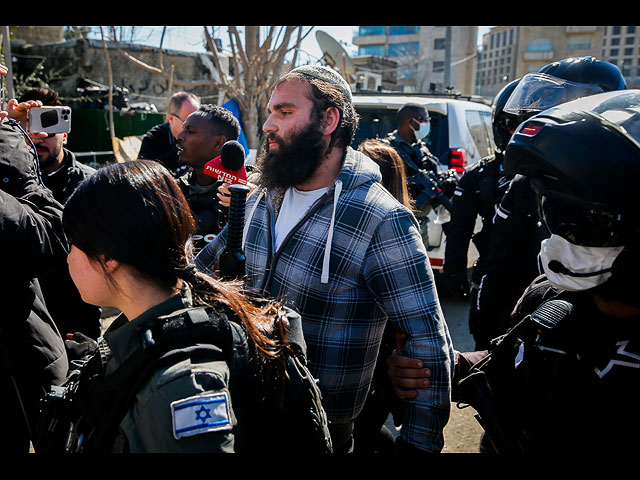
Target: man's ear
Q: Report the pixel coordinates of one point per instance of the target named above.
(330, 121)
(220, 140)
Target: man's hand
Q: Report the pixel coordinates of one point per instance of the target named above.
(19, 111)
(406, 374)
(224, 196)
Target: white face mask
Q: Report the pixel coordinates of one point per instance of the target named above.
(574, 267)
(422, 131)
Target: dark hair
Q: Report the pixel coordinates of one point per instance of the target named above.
(391, 166)
(135, 213)
(409, 110)
(326, 95)
(47, 96)
(223, 120)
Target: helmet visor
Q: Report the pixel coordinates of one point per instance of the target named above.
(537, 92)
(582, 226)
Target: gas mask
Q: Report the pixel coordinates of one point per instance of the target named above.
(575, 267)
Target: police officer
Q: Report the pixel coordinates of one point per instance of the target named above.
(569, 375)
(512, 260)
(478, 194)
(421, 166)
(193, 399)
(413, 126)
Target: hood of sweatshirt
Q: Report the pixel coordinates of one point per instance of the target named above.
(357, 169)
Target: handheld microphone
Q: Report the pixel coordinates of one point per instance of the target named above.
(228, 167)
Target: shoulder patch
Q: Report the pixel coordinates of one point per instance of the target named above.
(201, 414)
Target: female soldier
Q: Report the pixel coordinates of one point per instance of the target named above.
(129, 226)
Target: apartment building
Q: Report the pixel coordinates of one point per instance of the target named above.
(621, 45)
(510, 52)
(429, 58)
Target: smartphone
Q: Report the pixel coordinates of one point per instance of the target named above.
(50, 119)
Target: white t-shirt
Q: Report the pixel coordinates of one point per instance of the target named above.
(295, 205)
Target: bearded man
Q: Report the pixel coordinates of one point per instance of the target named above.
(325, 237)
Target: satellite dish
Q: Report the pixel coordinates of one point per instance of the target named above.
(335, 55)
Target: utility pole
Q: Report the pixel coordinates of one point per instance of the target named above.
(6, 47)
(447, 58)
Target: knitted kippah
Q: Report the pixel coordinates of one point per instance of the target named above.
(326, 74)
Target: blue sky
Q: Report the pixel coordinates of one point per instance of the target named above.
(189, 38)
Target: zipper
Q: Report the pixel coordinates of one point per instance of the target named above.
(273, 258)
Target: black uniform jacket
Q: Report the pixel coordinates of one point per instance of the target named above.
(31, 240)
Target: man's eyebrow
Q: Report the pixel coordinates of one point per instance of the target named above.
(281, 105)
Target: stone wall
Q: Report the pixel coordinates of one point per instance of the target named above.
(67, 62)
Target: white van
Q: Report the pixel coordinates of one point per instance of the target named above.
(461, 134)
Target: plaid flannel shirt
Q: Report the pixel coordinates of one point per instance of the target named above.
(370, 247)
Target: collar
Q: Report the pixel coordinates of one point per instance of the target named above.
(122, 335)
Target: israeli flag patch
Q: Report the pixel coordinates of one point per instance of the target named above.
(201, 414)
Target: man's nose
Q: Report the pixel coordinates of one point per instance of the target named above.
(269, 126)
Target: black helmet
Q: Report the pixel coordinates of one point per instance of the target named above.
(583, 158)
(504, 124)
(563, 81)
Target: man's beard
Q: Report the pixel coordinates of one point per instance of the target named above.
(296, 159)
(48, 160)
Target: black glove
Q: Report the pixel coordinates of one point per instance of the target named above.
(458, 285)
(78, 345)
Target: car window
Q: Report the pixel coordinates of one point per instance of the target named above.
(479, 133)
(373, 123)
(379, 122)
(438, 138)
(488, 124)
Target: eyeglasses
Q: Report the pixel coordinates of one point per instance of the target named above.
(174, 115)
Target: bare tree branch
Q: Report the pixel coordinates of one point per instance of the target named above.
(254, 64)
(162, 72)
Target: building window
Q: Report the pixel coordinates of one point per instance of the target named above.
(616, 30)
(438, 66)
(369, 30)
(613, 52)
(540, 45)
(403, 30)
(403, 49)
(579, 43)
(406, 72)
(628, 51)
(438, 44)
(372, 50)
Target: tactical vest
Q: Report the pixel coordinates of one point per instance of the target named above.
(560, 380)
(277, 406)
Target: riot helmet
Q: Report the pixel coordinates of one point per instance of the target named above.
(503, 123)
(563, 81)
(583, 158)
(586, 155)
